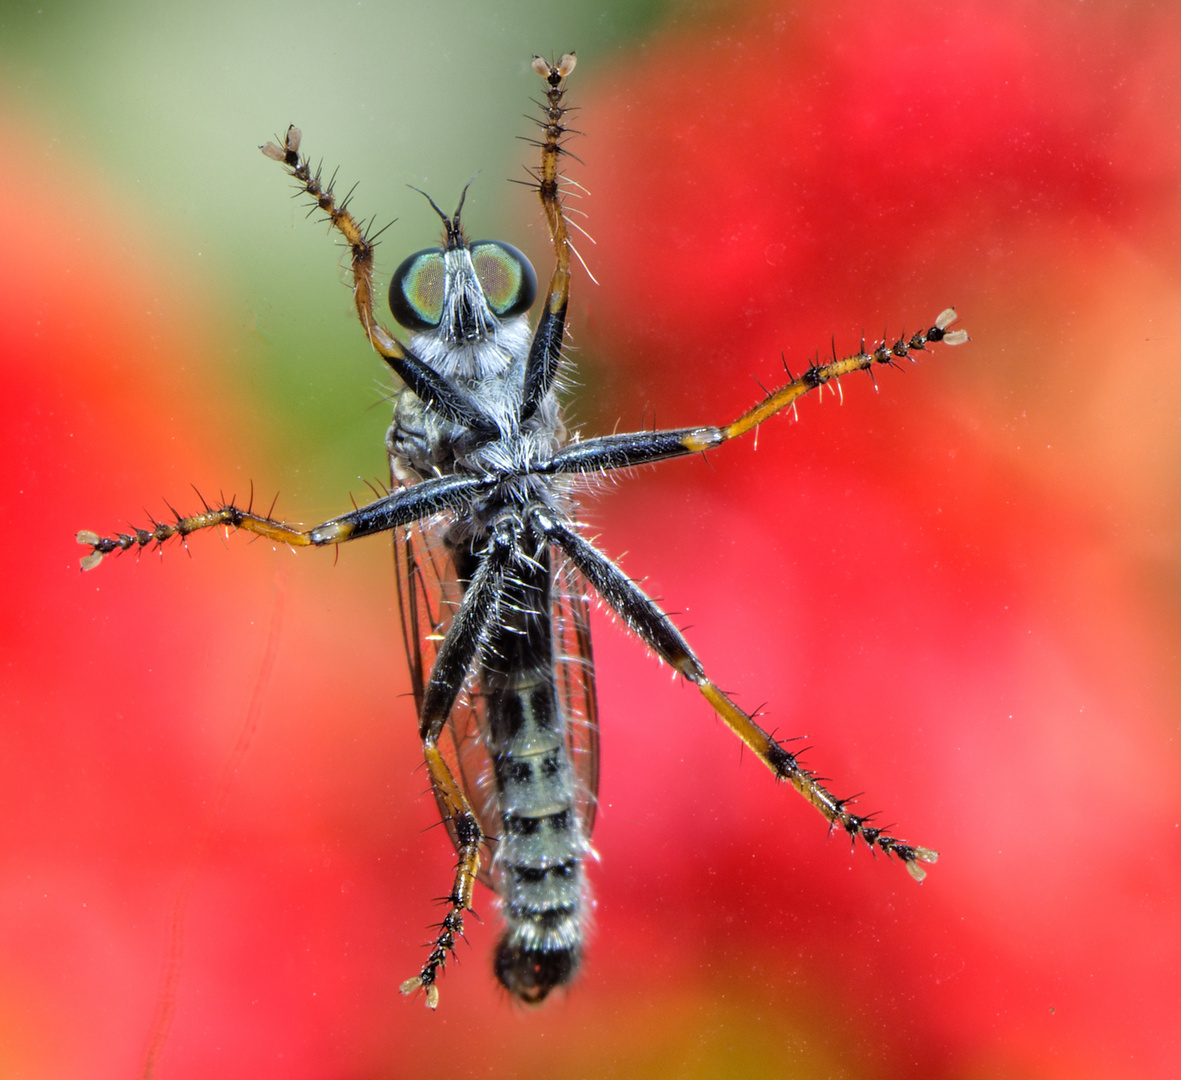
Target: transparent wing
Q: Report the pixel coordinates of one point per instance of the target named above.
(575, 674)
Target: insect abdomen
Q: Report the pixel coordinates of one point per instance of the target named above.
(539, 859)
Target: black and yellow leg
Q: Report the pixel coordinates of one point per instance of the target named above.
(545, 353)
(818, 375)
(548, 174)
(401, 507)
(457, 654)
(656, 629)
(432, 388)
(646, 447)
(360, 245)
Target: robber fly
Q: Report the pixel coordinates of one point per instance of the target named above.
(493, 568)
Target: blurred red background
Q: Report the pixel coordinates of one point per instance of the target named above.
(962, 589)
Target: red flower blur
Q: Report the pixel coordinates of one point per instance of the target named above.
(962, 589)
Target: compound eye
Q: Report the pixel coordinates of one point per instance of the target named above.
(416, 290)
(508, 281)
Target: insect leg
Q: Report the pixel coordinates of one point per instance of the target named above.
(656, 629)
(398, 508)
(431, 387)
(645, 447)
(818, 374)
(459, 651)
(545, 353)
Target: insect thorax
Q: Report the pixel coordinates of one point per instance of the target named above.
(491, 370)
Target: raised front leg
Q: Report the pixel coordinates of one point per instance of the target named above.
(443, 396)
(545, 354)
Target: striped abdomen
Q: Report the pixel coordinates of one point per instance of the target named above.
(539, 859)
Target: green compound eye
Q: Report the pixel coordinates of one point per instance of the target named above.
(508, 281)
(416, 291)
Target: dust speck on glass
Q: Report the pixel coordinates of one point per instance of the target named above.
(494, 571)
